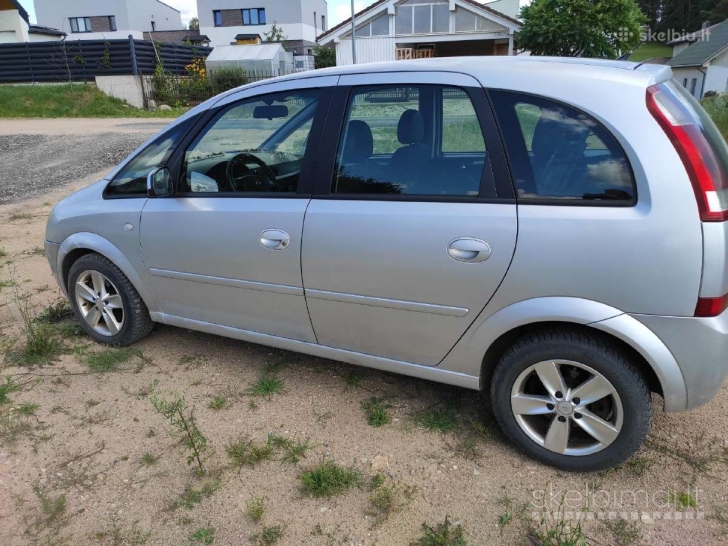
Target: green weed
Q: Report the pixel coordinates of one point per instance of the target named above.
(376, 410)
(268, 536)
(205, 535)
(443, 534)
(255, 508)
(330, 479)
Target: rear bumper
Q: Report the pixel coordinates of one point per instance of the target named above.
(700, 347)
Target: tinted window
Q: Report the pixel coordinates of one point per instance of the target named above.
(255, 146)
(410, 140)
(132, 179)
(558, 152)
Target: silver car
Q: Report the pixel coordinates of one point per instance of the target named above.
(551, 231)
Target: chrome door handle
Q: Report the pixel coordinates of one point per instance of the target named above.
(275, 239)
(467, 249)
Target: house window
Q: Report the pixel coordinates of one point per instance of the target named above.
(112, 23)
(467, 21)
(423, 17)
(377, 27)
(217, 16)
(685, 83)
(693, 84)
(80, 24)
(254, 16)
(323, 22)
(154, 26)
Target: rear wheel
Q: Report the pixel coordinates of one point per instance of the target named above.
(571, 400)
(105, 302)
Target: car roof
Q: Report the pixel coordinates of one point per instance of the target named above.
(498, 70)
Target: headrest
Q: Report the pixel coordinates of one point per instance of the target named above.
(411, 128)
(359, 145)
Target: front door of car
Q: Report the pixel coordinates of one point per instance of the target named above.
(408, 235)
(225, 249)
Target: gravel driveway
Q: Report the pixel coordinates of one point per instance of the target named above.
(37, 156)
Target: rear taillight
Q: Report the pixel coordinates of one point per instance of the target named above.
(704, 167)
(711, 307)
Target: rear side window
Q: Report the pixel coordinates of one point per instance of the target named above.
(131, 181)
(559, 153)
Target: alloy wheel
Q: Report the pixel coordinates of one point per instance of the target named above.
(99, 302)
(567, 407)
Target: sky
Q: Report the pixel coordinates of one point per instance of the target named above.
(338, 9)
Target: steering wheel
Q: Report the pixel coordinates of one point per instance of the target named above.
(242, 179)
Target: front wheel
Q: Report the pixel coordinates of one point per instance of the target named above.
(105, 302)
(571, 400)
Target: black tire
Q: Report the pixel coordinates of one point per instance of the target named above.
(592, 350)
(137, 322)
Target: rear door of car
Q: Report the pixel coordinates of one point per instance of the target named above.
(413, 222)
(225, 249)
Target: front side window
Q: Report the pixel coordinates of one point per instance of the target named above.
(560, 153)
(256, 146)
(217, 16)
(80, 24)
(410, 140)
(132, 179)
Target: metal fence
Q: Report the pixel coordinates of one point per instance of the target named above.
(82, 60)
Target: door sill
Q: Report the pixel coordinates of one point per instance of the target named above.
(429, 373)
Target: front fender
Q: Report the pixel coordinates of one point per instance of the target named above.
(467, 356)
(96, 243)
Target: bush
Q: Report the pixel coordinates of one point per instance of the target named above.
(717, 108)
(224, 79)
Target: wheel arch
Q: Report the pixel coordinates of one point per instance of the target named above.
(81, 244)
(492, 335)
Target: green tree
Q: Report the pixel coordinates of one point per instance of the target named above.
(585, 28)
(194, 24)
(275, 34)
(325, 56)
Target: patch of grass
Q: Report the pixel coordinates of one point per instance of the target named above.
(640, 465)
(681, 501)
(702, 455)
(510, 510)
(7, 388)
(218, 403)
(204, 535)
(12, 427)
(255, 508)
(20, 215)
(720, 515)
(39, 344)
(376, 410)
(55, 313)
(387, 499)
(27, 409)
(51, 508)
(352, 380)
(266, 387)
(117, 536)
(625, 533)
(443, 534)
(437, 420)
(3, 252)
(148, 459)
(293, 451)
(268, 536)
(192, 497)
(649, 50)
(69, 101)
(557, 531)
(108, 360)
(248, 453)
(329, 479)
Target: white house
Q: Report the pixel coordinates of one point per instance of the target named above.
(301, 21)
(15, 26)
(107, 19)
(700, 60)
(403, 29)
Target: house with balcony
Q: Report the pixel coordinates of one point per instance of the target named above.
(230, 22)
(391, 30)
(110, 19)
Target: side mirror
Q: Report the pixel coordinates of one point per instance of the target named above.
(159, 183)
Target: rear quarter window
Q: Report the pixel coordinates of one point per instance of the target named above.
(560, 154)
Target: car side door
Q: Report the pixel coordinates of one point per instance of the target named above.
(413, 222)
(225, 249)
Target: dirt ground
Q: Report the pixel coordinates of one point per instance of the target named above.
(93, 463)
